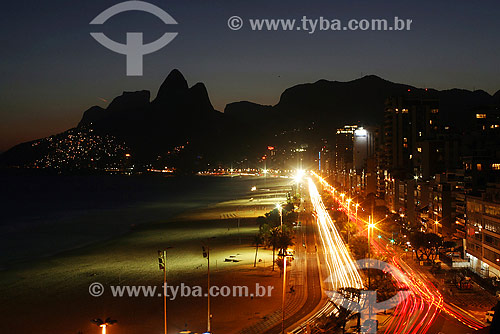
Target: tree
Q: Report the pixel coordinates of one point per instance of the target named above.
(265, 231)
(257, 241)
(280, 239)
(285, 239)
(274, 240)
(273, 217)
(426, 245)
(261, 220)
(280, 262)
(358, 246)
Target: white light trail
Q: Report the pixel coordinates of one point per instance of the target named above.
(341, 268)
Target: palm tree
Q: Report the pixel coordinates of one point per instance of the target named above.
(103, 324)
(274, 236)
(257, 241)
(285, 240)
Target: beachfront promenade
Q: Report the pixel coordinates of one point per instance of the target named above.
(303, 276)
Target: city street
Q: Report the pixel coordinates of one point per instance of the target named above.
(424, 311)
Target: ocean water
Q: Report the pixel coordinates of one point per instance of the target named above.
(45, 215)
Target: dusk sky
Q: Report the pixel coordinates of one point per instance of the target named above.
(51, 69)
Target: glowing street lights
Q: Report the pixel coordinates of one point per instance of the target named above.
(348, 218)
(298, 178)
(299, 175)
(285, 256)
(162, 263)
(206, 254)
(104, 323)
(371, 226)
(280, 210)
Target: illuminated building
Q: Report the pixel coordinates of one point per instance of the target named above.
(483, 232)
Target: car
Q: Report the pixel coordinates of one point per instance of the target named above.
(489, 316)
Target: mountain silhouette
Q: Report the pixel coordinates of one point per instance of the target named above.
(183, 116)
(179, 114)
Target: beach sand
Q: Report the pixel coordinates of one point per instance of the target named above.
(50, 296)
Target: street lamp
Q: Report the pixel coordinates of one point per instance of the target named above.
(371, 226)
(348, 218)
(436, 224)
(285, 256)
(104, 324)
(280, 210)
(299, 175)
(162, 262)
(206, 254)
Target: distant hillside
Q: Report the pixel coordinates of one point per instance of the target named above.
(336, 103)
(182, 122)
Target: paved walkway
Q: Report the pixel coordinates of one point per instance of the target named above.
(304, 277)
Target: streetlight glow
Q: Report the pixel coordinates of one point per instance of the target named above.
(280, 210)
(299, 175)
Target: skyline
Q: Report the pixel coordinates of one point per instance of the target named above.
(52, 47)
(263, 167)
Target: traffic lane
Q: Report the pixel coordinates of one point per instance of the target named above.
(445, 324)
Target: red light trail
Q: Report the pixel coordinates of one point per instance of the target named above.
(415, 314)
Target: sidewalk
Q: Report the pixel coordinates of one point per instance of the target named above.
(296, 277)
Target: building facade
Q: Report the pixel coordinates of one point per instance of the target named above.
(483, 232)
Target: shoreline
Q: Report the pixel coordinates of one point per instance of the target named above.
(137, 213)
(131, 259)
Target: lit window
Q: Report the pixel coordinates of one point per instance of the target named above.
(480, 115)
(495, 166)
(405, 111)
(434, 111)
(478, 167)
(419, 149)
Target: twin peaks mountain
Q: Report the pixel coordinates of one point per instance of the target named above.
(179, 114)
(183, 116)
